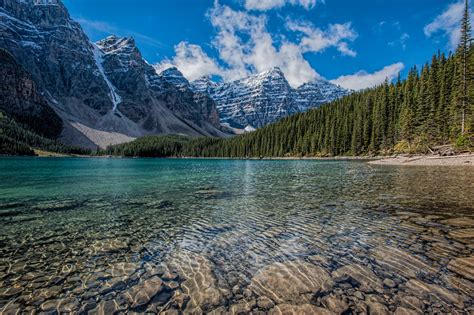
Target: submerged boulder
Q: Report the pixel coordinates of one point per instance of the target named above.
(463, 267)
(401, 262)
(291, 282)
(305, 309)
(142, 293)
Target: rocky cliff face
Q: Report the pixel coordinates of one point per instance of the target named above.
(206, 106)
(20, 99)
(264, 98)
(104, 92)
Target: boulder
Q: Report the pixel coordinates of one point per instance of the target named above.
(401, 262)
(290, 281)
(142, 293)
(463, 267)
(305, 309)
(425, 290)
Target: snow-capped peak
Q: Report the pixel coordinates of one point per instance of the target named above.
(203, 85)
(274, 72)
(174, 76)
(114, 44)
(265, 97)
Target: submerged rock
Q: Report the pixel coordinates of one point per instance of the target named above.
(376, 308)
(401, 262)
(6, 293)
(365, 278)
(389, 283)
(60, 305)
(459, 222)
(335, 304)
(141, 294)
(108, 245)
(291, 281)
(463, 235)
(243, 307)
(180, 300)
(106, 307)
(305, 309)
(463, 267)
(461, 285)
(199, 282)
(265, 303)
(405, 311)
(424, 290)
(122, 269)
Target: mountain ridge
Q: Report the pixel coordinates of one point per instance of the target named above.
(264, 98)
(259, 99)
(104, 92)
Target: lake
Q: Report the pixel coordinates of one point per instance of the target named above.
(197, 236)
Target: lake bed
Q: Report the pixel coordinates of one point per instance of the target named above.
(234, 236)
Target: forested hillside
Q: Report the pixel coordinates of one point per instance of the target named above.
(432, 106)
(18, 139)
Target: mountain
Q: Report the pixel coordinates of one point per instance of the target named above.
(104, 92)
(264, 98)
(405, 116)
(174, 76)
(20, 98)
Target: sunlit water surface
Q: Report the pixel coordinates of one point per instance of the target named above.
(193, 236)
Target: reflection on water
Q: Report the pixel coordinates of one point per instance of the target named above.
(195, 236)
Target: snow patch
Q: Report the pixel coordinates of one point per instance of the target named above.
(249, 129)
(99, 60)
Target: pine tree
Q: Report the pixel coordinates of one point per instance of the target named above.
(463, 51)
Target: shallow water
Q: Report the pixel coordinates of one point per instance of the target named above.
(195, 236)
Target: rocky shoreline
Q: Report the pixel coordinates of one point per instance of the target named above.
(466, 159)
(427, 160)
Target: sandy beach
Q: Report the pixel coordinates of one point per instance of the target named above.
(428, 160)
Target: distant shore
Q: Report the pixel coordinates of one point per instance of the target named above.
(466, 159)
(427, 160)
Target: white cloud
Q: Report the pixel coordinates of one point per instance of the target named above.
(402, 41)
(263, 5)
(192, 61)
(316, 40)
(362, 80)
(245, 46)
(449, 23)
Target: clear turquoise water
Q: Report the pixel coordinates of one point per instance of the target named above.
(88, 234)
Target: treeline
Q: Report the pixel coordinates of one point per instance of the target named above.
(429, 108)
(17, 139)
(150, 146)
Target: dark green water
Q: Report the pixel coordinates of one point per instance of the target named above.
(195, 236)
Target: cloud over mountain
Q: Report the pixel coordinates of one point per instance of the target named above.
(244, 46)
(362, 79)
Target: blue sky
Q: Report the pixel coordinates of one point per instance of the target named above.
(355, 43)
